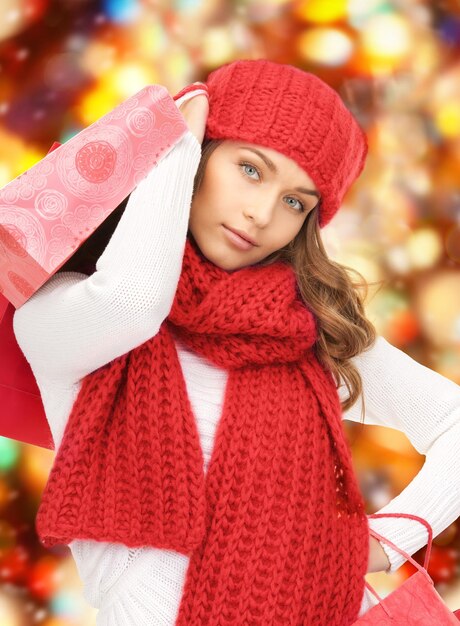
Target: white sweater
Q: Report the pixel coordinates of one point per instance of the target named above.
(74, 324)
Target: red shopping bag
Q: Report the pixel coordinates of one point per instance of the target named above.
(22, 415)
(416, 602)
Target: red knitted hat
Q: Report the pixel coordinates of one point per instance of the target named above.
(294, 112)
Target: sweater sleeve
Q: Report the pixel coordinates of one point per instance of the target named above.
(76, 323)
(401, 393)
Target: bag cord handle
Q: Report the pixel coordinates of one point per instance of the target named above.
(422, 569)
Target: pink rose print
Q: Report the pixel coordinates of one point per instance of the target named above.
(50, 204)
(140, 121)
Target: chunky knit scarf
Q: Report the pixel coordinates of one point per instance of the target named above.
(276, 529)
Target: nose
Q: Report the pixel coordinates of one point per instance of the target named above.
(261, 212)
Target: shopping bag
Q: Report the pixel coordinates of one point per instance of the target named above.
(47, 212)
(416, 602)
(22, 414)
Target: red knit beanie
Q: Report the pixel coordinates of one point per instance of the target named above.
(294, 112)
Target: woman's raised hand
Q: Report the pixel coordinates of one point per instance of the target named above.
(195, 111)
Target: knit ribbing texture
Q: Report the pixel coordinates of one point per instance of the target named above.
(276, 530)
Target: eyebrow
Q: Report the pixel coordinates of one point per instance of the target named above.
(269, 163)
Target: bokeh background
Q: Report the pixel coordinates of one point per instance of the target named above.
(64, 63)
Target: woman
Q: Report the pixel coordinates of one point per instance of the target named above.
(249, 512)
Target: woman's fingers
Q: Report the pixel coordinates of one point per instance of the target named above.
(195, 112)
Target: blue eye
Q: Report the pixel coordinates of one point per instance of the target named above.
(302, 208)
(251, 166)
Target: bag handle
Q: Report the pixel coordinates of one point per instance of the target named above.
(420, 568)
(190, 91)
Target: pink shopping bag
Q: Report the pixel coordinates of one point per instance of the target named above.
(416, 602)
(47, 212)
(22, 414)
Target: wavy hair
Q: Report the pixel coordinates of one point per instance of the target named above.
(333, 296)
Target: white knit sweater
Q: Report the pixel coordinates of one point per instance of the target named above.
(75, 324)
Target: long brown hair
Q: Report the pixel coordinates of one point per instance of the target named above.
(334, 297)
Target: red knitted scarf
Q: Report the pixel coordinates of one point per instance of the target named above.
(276, 529)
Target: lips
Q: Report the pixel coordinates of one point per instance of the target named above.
(236, 241)
(243, 235)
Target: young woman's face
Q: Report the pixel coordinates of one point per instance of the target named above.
(259, 197)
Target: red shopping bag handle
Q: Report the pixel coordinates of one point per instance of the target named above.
(423, 570)
(420, 568)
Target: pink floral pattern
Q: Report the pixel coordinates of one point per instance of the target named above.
(96, 161)
(51, 209)
(50, 204)
(140, 121)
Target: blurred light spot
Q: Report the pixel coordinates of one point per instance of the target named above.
(321, 12)
(359, 11)
(398, 259)
(97, 58)
(22, 54)
(447, 119)
(129, 79)
(260, 11)
(449, 29)
(29, 158)
(218, 47)
(424, 247)
(76, 43)
(177, 67)
(60, 71)
(184, 6)
(438, 302)
(97, 103)
(325, 46)
(9, 611)
(117, 85)
(418, 179)
(9, 453)
(151, 39)
(64, 604)
(12, 20)
(6, 174)
(122, 10)
(386, 40)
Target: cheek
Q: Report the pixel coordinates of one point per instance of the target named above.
(285, 231)
(216, 196)
(204, 205)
